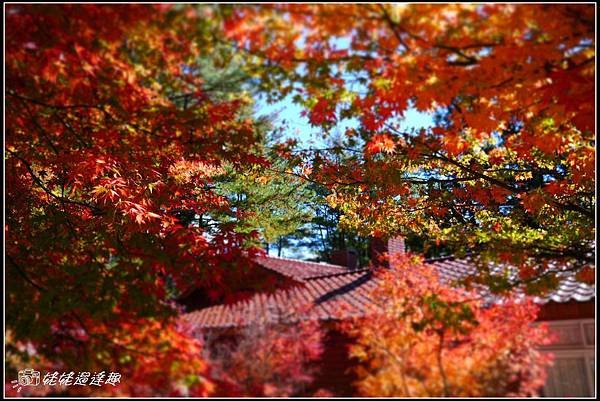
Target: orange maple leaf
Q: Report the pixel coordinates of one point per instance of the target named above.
(381, 143)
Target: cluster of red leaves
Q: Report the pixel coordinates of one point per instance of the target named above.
(152, 358)
(431, 339)
(323, 112)
(265, 360)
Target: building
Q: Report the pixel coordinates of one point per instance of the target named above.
(337, 292)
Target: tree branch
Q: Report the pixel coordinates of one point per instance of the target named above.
(37, 180)
(23, 274)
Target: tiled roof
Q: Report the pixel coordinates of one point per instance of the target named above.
(329, 292)
(331, 297)
(298, 269)
(451, 269)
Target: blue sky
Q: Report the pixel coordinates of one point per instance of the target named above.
(288, 114)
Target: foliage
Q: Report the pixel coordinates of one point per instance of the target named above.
(435, 340)
(323, 234)
(269, 360)
(508, 167)
(275, 203)
(153, 359)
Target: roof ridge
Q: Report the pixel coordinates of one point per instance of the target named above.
(303, 261)
(363, 270)
(449, 257)
(264, 293)
(439, 259)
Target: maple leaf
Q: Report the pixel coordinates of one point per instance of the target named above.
(533, 201)
(380, 143)
(322, 112)
(454, 143)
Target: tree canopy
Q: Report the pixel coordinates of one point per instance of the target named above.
(507, 170)
(101, 158)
